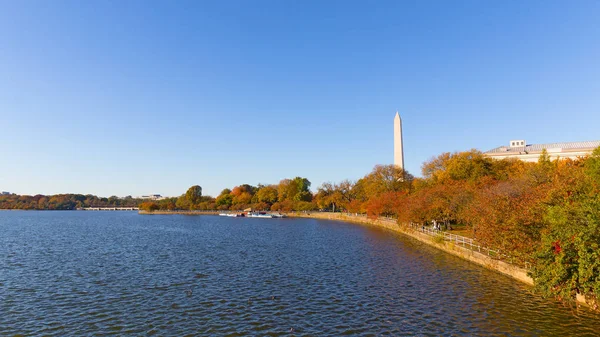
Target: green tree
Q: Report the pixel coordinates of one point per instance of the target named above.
(194, 195)
(592, 166)
(297, 189)
(113, 200)
(568, 259)
(267, 194)
(224, 201)
(182, 202)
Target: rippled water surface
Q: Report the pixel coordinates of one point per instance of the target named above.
(120, 273)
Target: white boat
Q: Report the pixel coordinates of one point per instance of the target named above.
(264, 215)
(260, 215)
(232, 215)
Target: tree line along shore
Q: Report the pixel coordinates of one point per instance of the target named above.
(64, 201)
(545, 214)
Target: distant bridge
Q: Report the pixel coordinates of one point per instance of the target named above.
(108, 209)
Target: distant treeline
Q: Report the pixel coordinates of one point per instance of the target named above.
(292, 194)
(545, 214)
(63, 201)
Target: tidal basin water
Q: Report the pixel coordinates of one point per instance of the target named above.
(120, 273)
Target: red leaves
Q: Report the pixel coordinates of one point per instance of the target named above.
(556, 247)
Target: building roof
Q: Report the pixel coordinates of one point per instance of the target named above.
(550, 147)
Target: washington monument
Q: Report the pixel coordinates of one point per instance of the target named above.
(398, 148)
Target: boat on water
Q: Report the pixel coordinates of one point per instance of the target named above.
(254, 214)
(232, 215)
(260, 215)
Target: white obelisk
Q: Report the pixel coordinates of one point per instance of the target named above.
(398, 149)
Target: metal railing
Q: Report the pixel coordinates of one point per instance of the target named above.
(459, 240)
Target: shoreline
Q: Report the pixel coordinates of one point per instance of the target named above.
(512, 271)
(515, 272)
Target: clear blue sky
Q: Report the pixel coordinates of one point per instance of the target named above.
(135, 97)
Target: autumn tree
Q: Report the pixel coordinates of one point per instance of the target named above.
(325, 197)
(242, 195)
(592, 166)
(384, 204)
(149, 206)
(469, 166)
(297, 189)
(267, 194)
(386, 178)
(182, 202)
(168, 204)
(336, 196)
(509, 216)
(225, 199)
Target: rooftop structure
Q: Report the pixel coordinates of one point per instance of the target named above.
(531, 152)
(152, 197)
